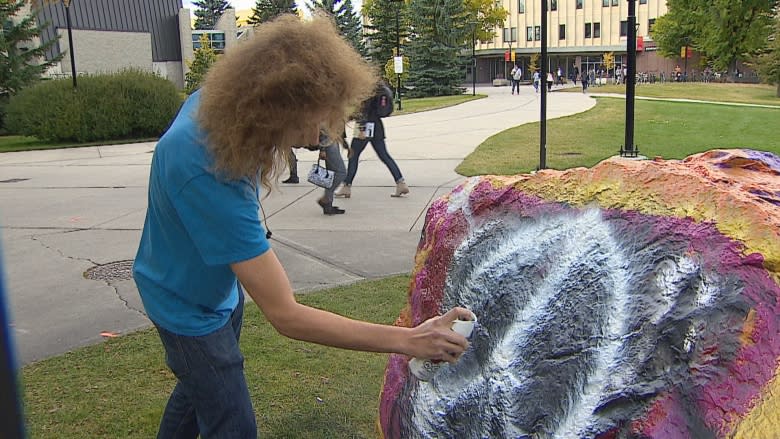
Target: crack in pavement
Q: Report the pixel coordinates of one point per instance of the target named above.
(107, 283)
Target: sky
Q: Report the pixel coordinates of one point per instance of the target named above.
(248, 4)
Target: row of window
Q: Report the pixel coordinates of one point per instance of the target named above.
(592, 30)
(579, 4)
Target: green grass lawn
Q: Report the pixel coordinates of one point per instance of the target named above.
(118, 389)
(425, 104)
(666, 129)
(740, 93)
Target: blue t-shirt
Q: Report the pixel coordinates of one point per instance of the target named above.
(196, 226)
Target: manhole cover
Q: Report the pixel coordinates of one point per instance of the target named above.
(113, 271)
(13, 180)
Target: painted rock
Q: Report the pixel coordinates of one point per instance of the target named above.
(632, 299)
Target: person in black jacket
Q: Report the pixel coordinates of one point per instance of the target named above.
(371, 129)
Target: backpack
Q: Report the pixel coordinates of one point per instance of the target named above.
(384, 101)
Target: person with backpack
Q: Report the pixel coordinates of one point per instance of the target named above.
(369, 128)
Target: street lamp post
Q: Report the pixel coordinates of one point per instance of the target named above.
(628, 149)
(474, 60)
(473, 24)
(398, 48)
(543, 84)
(66, 3)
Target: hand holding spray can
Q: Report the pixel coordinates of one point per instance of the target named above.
(425, 369)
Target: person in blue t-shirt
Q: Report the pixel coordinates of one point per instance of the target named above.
(203, 244)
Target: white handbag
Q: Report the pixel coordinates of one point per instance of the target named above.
(320, 176)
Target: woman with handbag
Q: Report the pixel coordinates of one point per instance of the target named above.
(329, 151)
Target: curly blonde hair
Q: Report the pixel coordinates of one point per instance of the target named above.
(258, 96)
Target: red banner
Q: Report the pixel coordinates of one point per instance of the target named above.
(506, 56)
(640, 44)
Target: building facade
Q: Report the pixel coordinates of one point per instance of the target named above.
(579, 33)
(109, 35)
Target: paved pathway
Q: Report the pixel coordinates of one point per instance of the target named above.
(64, 212)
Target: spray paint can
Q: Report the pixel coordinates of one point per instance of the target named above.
(425, 369)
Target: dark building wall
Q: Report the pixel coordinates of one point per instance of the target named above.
(158, 17)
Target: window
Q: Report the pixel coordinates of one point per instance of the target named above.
(510, 35)
(579, 4)
(529, 33)
(615, 2)
(624, 28)
(596, 30)
(605, 3)
(650, 24)
(562, 32)
(642, 2)
(537, 33)
(553, 5)
(216, 40)
(587, 30)
(521, 6)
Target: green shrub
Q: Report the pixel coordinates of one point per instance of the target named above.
(130, 104)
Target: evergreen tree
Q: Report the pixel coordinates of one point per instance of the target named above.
(21, 62)
(266, 10)
(346, 19)
(208, 12)
(381, 35)
(437, 48)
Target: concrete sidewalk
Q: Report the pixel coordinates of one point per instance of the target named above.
(67, 212)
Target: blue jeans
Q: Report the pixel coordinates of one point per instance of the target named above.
(211, 397)
(358, 145)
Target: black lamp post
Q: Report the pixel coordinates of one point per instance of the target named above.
(543, 84)
(628, 149)
(398, 48)
(473, 58)
(70, 41)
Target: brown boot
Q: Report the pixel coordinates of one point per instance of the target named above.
(400, 189)
(344, 192)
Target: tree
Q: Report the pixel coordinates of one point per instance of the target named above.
(382, 35)
(208, 12)
(266, 10)
(609, 61)
(533, 64)
(436, 48)
(22, 62)
(488, 14)
(767, 62)
(346, 19)
(200, 65)
(725, 31)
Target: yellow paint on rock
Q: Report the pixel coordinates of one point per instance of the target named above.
(762, 421)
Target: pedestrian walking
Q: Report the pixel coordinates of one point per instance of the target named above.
(370, 129)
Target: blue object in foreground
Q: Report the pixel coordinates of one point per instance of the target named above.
(12, 426)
